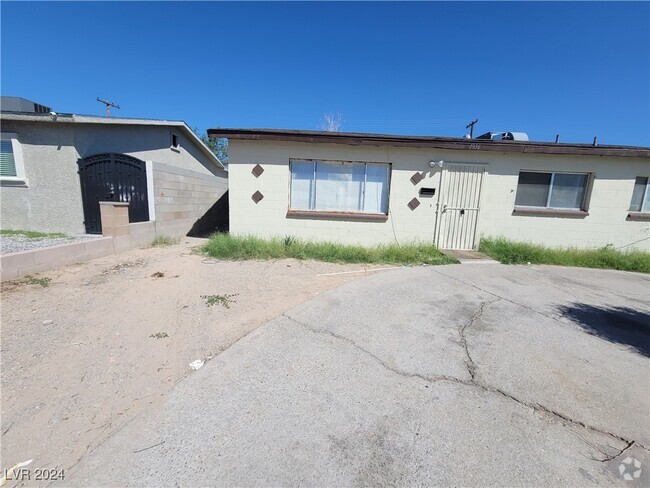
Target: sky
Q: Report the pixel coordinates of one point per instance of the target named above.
(575, 69)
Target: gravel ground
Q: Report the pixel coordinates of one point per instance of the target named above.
(18, 243)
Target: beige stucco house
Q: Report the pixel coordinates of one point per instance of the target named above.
(56, 168)
(372, 189)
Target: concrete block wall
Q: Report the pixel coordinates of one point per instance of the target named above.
(268, 218)
(182, 197)
(119, 235)
(608, 205)
(606, 223)
(25, 263)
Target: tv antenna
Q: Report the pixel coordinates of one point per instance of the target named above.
(108, 106)
(470, 126)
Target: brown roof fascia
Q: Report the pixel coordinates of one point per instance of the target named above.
(359, 139)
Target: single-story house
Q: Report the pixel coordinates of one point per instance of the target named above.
(56, 168)
(373, 189)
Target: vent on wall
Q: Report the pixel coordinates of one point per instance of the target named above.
(427, 192)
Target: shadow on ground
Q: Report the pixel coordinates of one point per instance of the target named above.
(620, 325)
(214, 220)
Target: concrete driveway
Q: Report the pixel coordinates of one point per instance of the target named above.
(464, 375)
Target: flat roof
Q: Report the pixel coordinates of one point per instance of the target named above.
(62, 118)
(453, 143)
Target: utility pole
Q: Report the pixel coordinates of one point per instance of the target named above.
(470, 126)
(108, 106)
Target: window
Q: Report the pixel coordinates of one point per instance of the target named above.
(11, 160)
(552, 190)
(7, 161)
(338, 186)
(641, 195)
(175, 141)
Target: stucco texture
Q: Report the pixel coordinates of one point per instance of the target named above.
(607, 206)
(51, 201)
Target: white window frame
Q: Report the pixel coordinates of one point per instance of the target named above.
(20, 179)
(643, 209)
(365, 176)
(583, 203)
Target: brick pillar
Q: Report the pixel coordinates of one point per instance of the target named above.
(115, 218)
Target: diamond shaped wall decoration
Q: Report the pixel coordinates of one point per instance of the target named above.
(257, 196)
(257, 170)
(416, 178)
(413, 204)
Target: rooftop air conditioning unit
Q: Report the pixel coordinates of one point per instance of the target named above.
(504, 136)
(18, 104)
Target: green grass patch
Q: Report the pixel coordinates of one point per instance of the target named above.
(32, 280)
(32, 234)
(225, 246)
(223, 300)
(164, 241)
(510, 252)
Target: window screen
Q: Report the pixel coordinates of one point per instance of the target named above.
(568, 190)
(532, 190)
(7, 162)
(640, 196)
(302, 183)
(552, 190)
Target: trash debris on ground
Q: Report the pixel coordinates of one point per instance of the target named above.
(158, 274)
(48, 322)
(195, 365)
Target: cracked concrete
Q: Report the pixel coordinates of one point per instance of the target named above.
(471, 366)
(456, 375)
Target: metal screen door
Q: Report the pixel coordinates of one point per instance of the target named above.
(458, 205)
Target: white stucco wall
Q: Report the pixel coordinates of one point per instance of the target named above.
(605, 224)
(51, 202)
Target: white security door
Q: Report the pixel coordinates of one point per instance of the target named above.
(458, 205)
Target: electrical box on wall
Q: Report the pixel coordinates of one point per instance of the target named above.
(427, 192)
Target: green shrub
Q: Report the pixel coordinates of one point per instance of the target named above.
(164, 241)
(225, 246)
(510, 252)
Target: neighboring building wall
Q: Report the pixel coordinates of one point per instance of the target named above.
(183, 196)
(606, 223)
(52, 200)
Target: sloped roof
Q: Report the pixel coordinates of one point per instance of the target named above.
(62, 118)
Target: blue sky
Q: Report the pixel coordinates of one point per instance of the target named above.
(577, 69)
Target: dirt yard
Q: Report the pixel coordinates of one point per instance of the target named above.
(103, 340)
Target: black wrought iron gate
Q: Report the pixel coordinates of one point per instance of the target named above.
(116, 178)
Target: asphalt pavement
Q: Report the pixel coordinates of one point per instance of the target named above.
(460, 375)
